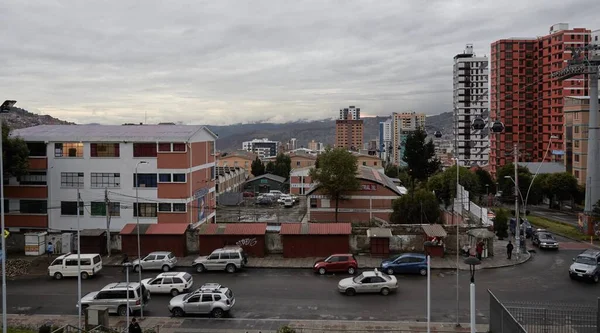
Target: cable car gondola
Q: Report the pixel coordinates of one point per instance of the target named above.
(497, 127)
(437, 134)
(478, 124)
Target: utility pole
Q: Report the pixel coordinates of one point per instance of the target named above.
(517, 222)
(108, 214)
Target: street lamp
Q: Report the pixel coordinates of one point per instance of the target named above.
(137, 222)
(4, 108)
(127, 265)
(472, 262)
(552, 137)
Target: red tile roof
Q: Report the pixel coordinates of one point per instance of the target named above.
(249, 228)
(316, 229)
(155, 229)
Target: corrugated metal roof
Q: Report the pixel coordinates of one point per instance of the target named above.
(316, 229)
(155, 229)
(92, 232)
(268, 176)
(545, 167)
(111, 133)
(233, 229)
(379, 233)
(434, 230)
(370, 174)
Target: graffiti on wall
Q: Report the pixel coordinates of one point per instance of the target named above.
(246, 242)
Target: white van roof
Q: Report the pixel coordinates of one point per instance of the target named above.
(74, 256)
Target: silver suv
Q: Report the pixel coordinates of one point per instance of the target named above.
(211, 298)
(114, 297)
(160, 260)
(229, 258)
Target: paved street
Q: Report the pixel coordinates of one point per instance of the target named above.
(552, 214)
(299, 294)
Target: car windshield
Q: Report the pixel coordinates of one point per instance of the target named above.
(546, 236)
(328, 259)
(187, 276)
(585, 260)
(359, 278)
(385, 276)
(229, 294)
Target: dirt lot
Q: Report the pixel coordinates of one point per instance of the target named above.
(255, 213)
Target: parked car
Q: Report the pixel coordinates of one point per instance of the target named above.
(586, 266)
(544, 240)
(229, 258)
(248, 194)
(526, 228)
(369, 282)
(173, 283)
(67, 265)
(407, 263)
(211, 298)
(114, 297)
(288, 202)
(276, 193)
(337, 263)
(160, 260)
(265, 199)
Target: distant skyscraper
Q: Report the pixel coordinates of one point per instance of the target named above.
(349, 129)
(470, 85)
(402, 125)
(385, 140)
(526, 99)
(261, 147)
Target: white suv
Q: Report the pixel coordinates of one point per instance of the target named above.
(173, 283)
(211, 298)
(160, 260)
(114, 297)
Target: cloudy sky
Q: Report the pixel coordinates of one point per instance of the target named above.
(221, 62)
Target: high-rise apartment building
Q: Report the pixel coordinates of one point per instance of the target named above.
(470, 86)
(526, 99)
(349, 129)
(261, 147)
(385, 140)
(403, 124)
(576, 117)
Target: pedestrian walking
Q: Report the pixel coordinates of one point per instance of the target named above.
(479, 250)
(134, 327)
(509, 249)
(50, 250)
(124, 261)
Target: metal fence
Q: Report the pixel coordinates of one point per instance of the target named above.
(531, 317)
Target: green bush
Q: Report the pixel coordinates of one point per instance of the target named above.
(286, 329)
(501, 223)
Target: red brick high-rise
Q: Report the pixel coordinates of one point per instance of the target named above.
(526, 99)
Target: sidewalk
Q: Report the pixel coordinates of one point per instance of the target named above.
(368, 262)
(233, 325)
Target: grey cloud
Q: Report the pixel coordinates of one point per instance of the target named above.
(219, 62)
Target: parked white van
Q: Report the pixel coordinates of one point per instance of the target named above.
(66, 265)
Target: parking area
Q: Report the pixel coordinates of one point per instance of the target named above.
(249, 212)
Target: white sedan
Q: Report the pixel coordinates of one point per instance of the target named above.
(173, 283)
(369, 282)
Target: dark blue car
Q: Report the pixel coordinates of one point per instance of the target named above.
(407, 263)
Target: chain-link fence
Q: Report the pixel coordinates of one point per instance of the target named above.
(501, 320)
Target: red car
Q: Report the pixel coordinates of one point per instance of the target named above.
(337, 263)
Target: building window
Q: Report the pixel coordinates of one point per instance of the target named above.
(36, 149)
(98, 208)
(171, 147)
(145, 209)
(70, 208)
(145, 180)
(576, 143)
(211, 148)
(179, 178)
(71, 179)
(164, 178)
(31, 206)
(168, 207)
(297, 163)
(213, 174)
(179, 207)
(144, 150)
(70, 149)
(164, 207)
(6, 206)
(364, 163)
(576, 158)
(33, 178)
(313, 202)
(179, 147)
(106, 179)
(104, 150)
(576, 173)
(576, 129)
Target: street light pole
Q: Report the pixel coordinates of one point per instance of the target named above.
(518, 225)
(127, 265)
(78, 265)
(5, 108)
(137, 222)
(472, 262)
(535, 174)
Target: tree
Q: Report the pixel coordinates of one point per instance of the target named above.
(485, 178)
(282, 165)
(596, 210)
(336, 174)
(507, 186)
(419, 206)
(444, 184)
(317, 162)
(270, 167)
(561, 186)
(501, 223)
(419, 154)
(15, 154)
(391, 171)
(257, 167)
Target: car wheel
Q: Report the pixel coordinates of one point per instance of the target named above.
(385, 291)
(350, 292)
(596, 279)
(122, 311)
(351, 270)
(423, 272)
(572, 276)
(174, 292)
(322, 271)
(166, 268)
(217, 313)
(390, 271)
(230, 268)
(200, 268)
(58, 276)
(178, 312)
(136, 268)
(84, 275)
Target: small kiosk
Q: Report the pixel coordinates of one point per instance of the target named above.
(435, 235)
(482, 235)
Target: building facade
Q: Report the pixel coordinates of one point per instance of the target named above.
(403, 124)
(316, 146)
(261, 147)
(526, 99)
(349, 129)
(230, 179)
(175, 177)
(385, 140)
(300, 180)
(576, 117)
(237, 159)
(471, 102)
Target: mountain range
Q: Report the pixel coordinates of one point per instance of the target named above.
(232, 136)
